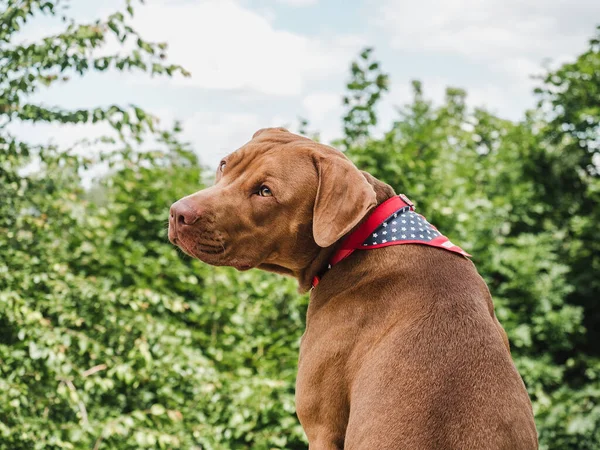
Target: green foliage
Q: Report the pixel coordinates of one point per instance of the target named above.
(366, 85)
(111, 338)
(565, 167)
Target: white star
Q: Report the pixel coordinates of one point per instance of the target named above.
(394, 238)
(403, 221)
(385, 232)
(412, 228)
(412, 221)
(403, 228)
(394, 222)
(412, 235)
(374, 234)
(385, 224)
(421, 235)
(394, 230)
(384, 241)
(403, 236)
(395, 215)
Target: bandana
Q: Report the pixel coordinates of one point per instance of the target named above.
(394, 222)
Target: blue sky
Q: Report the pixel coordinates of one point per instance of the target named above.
(258, 63)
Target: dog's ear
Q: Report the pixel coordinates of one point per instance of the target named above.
(262, 130)
(343, 198)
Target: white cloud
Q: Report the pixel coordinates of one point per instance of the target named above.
(298, 2)
(216, 135)
(510, 35)
(227, 46)
(320, 105)
(61, 135)
(494, 98)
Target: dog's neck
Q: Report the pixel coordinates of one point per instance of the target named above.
(319, 263)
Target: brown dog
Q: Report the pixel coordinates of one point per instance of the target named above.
(402, 349)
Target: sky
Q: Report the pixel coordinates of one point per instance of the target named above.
(260, 63)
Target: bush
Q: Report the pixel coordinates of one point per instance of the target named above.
(113, 339)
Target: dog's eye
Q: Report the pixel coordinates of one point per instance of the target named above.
(264, 191)
(222, 166)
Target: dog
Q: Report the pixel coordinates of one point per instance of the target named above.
(402, 349)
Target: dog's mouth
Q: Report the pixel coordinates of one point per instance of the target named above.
(197, 249)
(196, 243)
(212, 254)
(209, 249)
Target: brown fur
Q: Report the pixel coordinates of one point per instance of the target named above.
(402, 349)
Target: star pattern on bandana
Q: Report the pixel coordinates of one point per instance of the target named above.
(403, 225)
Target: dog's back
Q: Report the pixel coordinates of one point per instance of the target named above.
(424, 362)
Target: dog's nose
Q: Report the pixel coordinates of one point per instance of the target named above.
(183, 214)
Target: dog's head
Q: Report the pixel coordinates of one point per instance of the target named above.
(276, 203)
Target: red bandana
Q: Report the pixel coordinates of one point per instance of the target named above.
(394, 222)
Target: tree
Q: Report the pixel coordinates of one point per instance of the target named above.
(110, 337)
(366, 85)
(565, 168)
